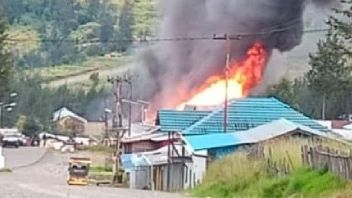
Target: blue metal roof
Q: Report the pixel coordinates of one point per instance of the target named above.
(200, 142)
(247, 113)
(172, 120)
(257, 134)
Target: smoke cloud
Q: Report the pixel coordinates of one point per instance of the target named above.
(171, 69)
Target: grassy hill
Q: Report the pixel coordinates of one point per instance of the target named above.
(56, 39)
(97, 63)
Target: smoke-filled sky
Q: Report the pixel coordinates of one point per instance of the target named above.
(172, 69)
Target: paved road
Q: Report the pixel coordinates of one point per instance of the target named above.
(22, 156)
(47, 180)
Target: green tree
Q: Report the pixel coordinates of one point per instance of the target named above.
(13, 9)
(284, 91)
(6, 66)
(330, 73)
(342, 24)
(21, 122)
(126, 21)
(31, 127)
(107, 28)
(93, 10)
(94, 77)
(145, 18)
(298, 94)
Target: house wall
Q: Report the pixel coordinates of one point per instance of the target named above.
(218, 153)
(69, 125)
(176, 179)
(339, 124)
(195, 171)
(137, 147)
(140, 178)
(95, 129)
(144, 178)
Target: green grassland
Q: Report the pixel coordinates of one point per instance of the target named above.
(52, 73)
(303, 182)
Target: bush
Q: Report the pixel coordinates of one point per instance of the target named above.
(101, 168)
(5, 170)
(99, 149)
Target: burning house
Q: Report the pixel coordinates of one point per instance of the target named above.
(251, 122)
(243, 114)
(177, 155)
(190, 71)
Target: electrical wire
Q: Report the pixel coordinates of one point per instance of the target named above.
(172, 39)
(236, 36)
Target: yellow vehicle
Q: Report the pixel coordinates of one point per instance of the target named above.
(78, 171)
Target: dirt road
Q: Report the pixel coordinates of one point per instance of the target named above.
(46, 179)
(84, 77)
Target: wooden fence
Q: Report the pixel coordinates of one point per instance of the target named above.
(338, 162)
(278, 167)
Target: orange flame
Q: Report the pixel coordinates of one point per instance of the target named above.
(242, 77)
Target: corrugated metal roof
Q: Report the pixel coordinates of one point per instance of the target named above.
(173, 120)
(64, 112)
(247, 113)
(254, 135)
(156, 157)
(200, 142)
(154, 136)
(271, 130)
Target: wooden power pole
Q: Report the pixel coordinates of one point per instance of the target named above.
(117, 127)
(227, 39)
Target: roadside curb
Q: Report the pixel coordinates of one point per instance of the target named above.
(45, 153)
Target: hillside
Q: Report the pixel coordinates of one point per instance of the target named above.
(76, 36)
(54, 39)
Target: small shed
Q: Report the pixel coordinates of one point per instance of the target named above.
(155, 170)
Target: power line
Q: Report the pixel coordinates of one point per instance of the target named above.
(235, 36)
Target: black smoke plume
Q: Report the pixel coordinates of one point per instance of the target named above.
(173, 68)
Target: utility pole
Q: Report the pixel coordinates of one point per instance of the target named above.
(227, 39)
(144, 108)
(130, 107)
(323, 107)
(141, 103)
(226, 81)
(106, 124)
(117, 124)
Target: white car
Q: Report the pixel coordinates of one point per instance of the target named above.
(13, 140)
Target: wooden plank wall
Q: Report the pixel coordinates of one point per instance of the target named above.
(319, 157)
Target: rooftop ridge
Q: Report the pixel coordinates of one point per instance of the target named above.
(186, 131)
